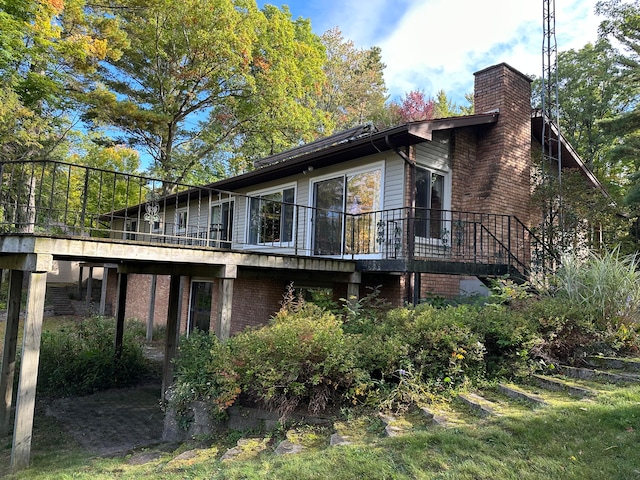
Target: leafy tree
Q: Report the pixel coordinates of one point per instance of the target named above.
(207, 78)
(354, 91)
(622, 23)
(414, 106)
(443, 107)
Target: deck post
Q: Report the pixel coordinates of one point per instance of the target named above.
(152, 307)
(103, 291)
(121, 305)
(353, 288)
(171, 342)
(25, 405)
(89, 285)
(225, 301)
(10, 347)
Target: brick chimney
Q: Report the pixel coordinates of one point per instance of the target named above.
(500, 176)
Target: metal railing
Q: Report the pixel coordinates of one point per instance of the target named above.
(55, 198)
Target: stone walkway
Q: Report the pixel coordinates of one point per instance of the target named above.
(112, 422)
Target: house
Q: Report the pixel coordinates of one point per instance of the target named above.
(430, 207)
(426, 208)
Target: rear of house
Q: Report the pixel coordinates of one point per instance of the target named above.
(425, 208)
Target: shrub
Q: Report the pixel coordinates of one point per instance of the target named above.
(567, 330)
(301, 357)
(204, 371)
(607, 284)
(442, 346)
(80, 359)
(508, 337)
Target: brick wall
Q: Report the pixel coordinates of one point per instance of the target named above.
(498, 178)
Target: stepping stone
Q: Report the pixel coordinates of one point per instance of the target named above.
(337, 439)
(393, 427)
(246, 447)
(519, 394)
(558, 385)
(480, 405)
(592, 374)
(433, 418)
(630, 364)
(287, 448)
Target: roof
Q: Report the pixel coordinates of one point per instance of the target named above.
(353, 143)
(568, 156)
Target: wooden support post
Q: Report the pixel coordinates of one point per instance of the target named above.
(120, 311)
(171, 342)
(225, 299)
(152, 307)
(103, 291)
(80, 272)
(353, 288)
(89, 286)
(9, 351)
(28, 379)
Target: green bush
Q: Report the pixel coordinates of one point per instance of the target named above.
(301, 357)
(442, 345)
(80, 359)
(607, 284)
(204, 371)
(508, 336)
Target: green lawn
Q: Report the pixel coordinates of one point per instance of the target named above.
(573, 439)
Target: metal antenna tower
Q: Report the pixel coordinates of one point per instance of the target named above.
(551, 151)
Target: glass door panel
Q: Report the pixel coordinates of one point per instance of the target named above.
(327, 225)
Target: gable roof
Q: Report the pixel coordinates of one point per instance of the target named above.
(568, 155)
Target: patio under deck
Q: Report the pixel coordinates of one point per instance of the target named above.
(32, 256)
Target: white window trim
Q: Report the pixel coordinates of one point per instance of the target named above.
(369, 167)
(261, 193)
(178, 229)
(446, 204)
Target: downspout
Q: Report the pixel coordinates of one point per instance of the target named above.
(410, 244)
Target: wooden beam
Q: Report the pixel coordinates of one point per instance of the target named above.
(9, 352)
(171, 342)
(28, 379)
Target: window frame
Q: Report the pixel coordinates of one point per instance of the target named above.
(253, 237)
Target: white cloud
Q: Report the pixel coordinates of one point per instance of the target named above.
(438, 44)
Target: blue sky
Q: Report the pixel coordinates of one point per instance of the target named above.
(436, 45)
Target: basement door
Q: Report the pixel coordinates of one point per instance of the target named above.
(200, 306)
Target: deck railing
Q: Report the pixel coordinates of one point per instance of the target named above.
(55, 198)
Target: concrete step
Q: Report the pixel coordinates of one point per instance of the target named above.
(58, 297)
(478, 404)
(614, 363)
(559, 385)
(518, 393)
(598, 375)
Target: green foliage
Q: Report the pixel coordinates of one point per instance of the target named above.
(80, 359)
(607, 283)
(204, 371)
(302, 356)
(443, 346)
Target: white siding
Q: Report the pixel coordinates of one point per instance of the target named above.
(435, 154)
(393, 182)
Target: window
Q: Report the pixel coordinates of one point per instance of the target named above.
(271, 217)
(429, 204)
(181, 221)
(355, 196)
(221, 228)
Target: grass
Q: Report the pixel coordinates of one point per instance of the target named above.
(594, 439)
